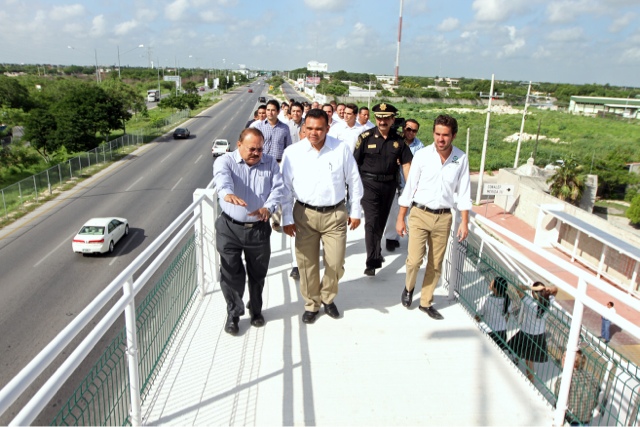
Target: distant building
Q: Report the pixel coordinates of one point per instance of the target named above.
(592, 105)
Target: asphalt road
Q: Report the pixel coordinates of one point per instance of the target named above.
(43, 284)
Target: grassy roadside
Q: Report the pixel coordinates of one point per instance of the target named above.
(146, 125)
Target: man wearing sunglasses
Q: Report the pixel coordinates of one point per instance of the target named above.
(250, 189)
(410, 134)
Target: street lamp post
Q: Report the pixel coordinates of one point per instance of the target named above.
(95, 52)
(130, 50)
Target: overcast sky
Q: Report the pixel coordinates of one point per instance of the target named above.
(573, 41)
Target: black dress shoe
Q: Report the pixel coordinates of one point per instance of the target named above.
(309, 316)
(231, 326)
(295, 273)
(257, 320)
(370, 271)
(432, 312)
(407, 297)
(331, 310)
(392, 245)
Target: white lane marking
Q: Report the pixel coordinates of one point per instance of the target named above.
(174, 187)
(123, 247)
(65, 242)
(168, 155)
(135, 182)
(198, 159)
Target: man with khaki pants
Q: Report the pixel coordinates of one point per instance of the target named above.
(438, 172)
(316, 172)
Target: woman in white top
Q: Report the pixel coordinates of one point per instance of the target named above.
(495, 311)
(530, 342)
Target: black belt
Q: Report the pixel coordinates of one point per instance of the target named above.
(244, 224)
(433, 211)
(322, 208)
(379, 178)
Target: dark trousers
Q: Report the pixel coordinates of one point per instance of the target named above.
(233, 240)
(376, 203)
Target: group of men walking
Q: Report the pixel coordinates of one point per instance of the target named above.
(337, 168)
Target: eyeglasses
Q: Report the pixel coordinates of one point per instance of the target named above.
(255, 150)
(410, 130)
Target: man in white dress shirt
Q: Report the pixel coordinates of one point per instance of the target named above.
(348, 130)
(437, 172)
(316, 171)
(363, 118)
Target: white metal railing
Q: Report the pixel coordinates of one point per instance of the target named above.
(204, 205)
(201, 214)
(579, 294)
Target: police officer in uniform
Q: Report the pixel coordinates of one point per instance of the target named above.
(379, 153)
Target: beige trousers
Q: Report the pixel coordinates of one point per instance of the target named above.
(432, 231)
(311, 228)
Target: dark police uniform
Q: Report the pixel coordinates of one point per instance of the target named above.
(377, 160)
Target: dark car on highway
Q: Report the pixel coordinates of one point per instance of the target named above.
(181, 133)
(262, 99)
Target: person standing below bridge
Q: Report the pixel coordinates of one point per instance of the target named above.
(379, 153)
(250, 189)
(438, 172)
(316, 172)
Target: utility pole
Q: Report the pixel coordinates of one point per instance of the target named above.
(524, 116)
(398, 49)
(484, 145)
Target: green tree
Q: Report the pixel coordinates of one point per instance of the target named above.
(13, 94)
(633, 213)
(40, 131)
(190, 87)
(567, 182)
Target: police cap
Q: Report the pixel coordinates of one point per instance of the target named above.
(384, 110)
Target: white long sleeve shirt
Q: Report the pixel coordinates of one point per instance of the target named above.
(318, 178)
(437, 185)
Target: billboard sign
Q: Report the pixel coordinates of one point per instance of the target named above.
(317, 66)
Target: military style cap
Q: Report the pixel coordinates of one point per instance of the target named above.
(384, 110)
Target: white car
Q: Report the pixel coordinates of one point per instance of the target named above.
(219, 147)
(99, 235)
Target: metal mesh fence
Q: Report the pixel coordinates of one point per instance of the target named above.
(103, 396)
(605, 388)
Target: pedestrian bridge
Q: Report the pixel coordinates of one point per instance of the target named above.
(378, 364)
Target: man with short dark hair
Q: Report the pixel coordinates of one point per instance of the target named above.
(380, 153)
(249, 187)
(277, 137)
(438, 179)
(295, 122)
(410, 132)
(363, 118)
(316, 172)
(349, 129)
(259, 114)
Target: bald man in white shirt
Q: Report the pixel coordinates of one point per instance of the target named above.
(316, 171)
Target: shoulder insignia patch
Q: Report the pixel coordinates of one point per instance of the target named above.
(365, 134)
(358, 142)
(395, 144)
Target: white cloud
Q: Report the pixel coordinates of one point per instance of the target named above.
(449, 24)
(515, 43)
(326, 5)
(212, 16)
(66, 12)
(631, 55)
(497, 10)
(176, 10)
(566, 35)
(622, 22)
(469, 35)
(124, 27)
(258, 40)
(98, 26)
(342, 44)
(541, 53)
(569, 10)
(72, 28)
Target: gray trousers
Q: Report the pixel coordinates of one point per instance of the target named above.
(232, 241)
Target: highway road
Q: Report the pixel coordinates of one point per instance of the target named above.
(43, 284)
